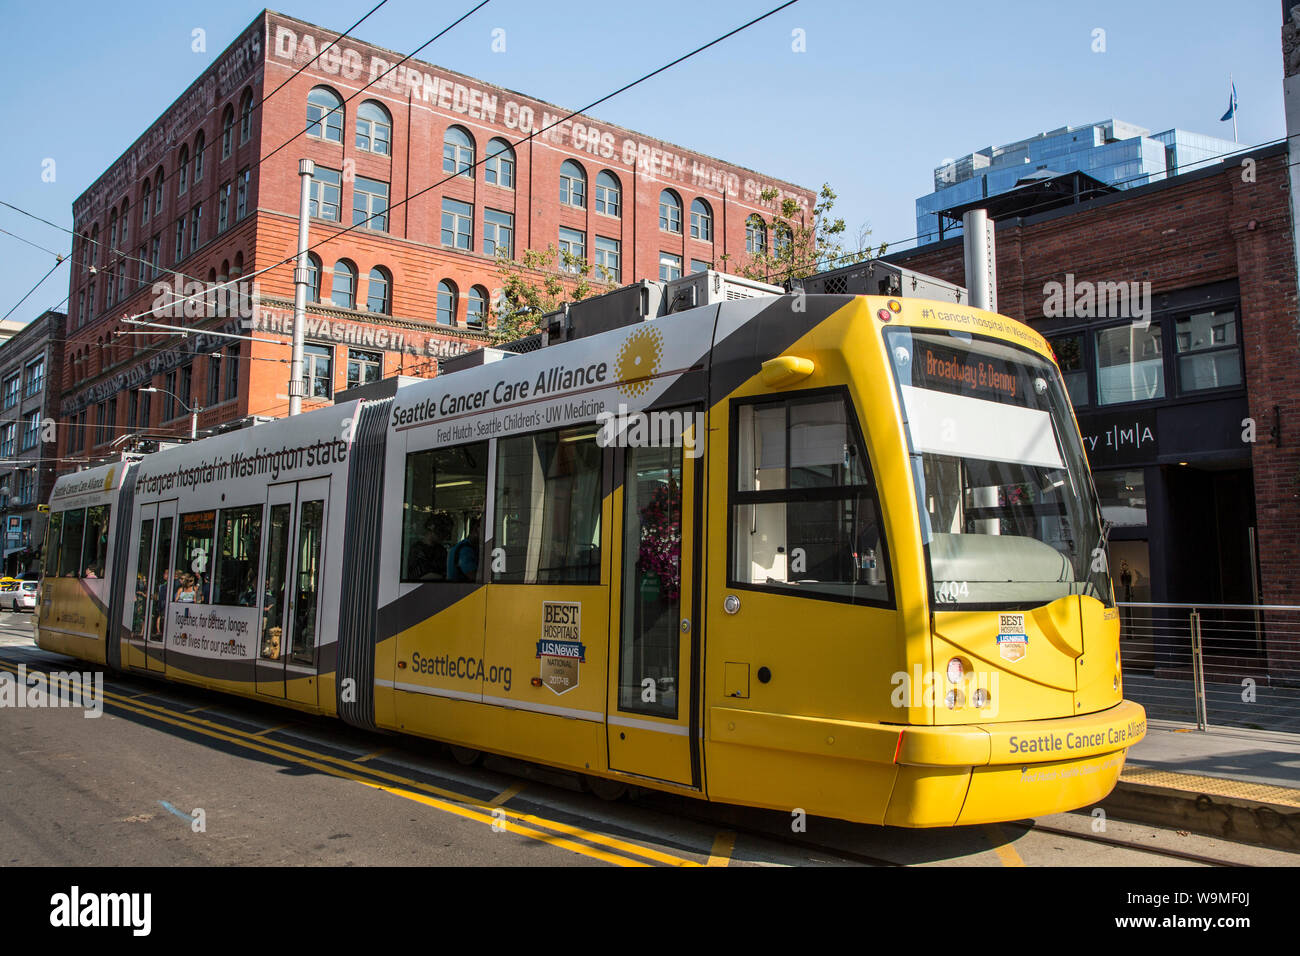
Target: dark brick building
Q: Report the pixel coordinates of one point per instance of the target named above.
(1191, 411)
(208, 192)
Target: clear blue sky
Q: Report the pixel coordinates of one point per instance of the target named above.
(884, 92)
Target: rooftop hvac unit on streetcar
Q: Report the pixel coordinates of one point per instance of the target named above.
(875, 277)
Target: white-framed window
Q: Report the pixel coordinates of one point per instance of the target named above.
(183, 171)
(476, 307)
(573, 242)
(180, 239)
(457, 224)
(498, 233)
(701, 221)
(670, 266)
(313, 278)
(196, 226)
(325, 114)
(609, 195)
(370, 204)
(374, 128)
(755, 235)
(223, 207)
(499, 170)
(446, 302)
(318, 370)
(241, 194)
(227, 131)
(344, 290)
(379, 289)
(670, 212)
(573, 185)
(364, 367)
(199, 149)
(607, 259)
(457, 152)
(326, 194)
(246, 116)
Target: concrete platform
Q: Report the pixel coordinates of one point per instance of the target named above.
(1237, 784)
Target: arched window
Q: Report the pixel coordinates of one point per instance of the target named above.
(158, 192)
(374, 128)
(781, 239)
(199, 149)
(457, 152)
(183, 171)
(573, 185)
(476, 307)
(701, 221)
(313, 278)
(343, 293)
(500, 166)
(446, 302)
(94, 246)
(144, 201)
(670, 212)
(238, 269)
(112, 232)
(246, 116)
(227, 131)
(325, 114)
(755, 235)
(126, 224)
(378, 290)
(609, 195)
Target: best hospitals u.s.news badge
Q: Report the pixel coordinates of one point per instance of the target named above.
(561, 650)
(1013, 641)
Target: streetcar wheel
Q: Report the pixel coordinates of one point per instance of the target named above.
(610, 790)
(465, 756)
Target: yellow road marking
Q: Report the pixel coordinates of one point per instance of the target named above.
(723, 845)
(195, 710)
(1005, 851)
(506, 795)
(371, 756)
(270, 730)
(319, 761)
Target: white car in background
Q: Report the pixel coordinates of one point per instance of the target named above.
(23, 598)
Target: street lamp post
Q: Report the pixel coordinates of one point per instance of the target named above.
(194, 412)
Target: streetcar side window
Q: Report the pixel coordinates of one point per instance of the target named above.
(94, 548)
(52, 539)
(804, 511)
(442, 513)
(547, 507)
(74, 523)
(192, 577)
(239, 543)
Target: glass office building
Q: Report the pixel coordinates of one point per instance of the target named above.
(1117, 153)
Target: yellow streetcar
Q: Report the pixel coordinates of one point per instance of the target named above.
(833, 553)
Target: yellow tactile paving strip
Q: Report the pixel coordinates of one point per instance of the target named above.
(1211, 786)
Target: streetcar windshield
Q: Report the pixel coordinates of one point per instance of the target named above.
(1008, 515)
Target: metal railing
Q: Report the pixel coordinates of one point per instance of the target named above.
(1229, 664)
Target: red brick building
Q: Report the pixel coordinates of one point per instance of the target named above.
(210, 193)
(1193, 421)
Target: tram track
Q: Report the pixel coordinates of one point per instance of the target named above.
(436, 791)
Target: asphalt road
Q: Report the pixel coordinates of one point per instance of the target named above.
(174, 776)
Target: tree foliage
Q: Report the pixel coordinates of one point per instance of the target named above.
(801, 244)
(534, 284)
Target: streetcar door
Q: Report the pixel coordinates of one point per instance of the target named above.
(151, 589)
(651, 724)
(287, 665)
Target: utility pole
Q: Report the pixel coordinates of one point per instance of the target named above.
(981, 259)
(306, 170)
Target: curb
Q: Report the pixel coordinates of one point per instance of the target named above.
(1230, 809)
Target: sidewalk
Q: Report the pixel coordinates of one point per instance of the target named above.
(1228, 782)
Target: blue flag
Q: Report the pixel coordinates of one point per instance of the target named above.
(1232, 105)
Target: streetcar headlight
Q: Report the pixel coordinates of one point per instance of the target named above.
(956, 671)
(955, 699)
(980, 698)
